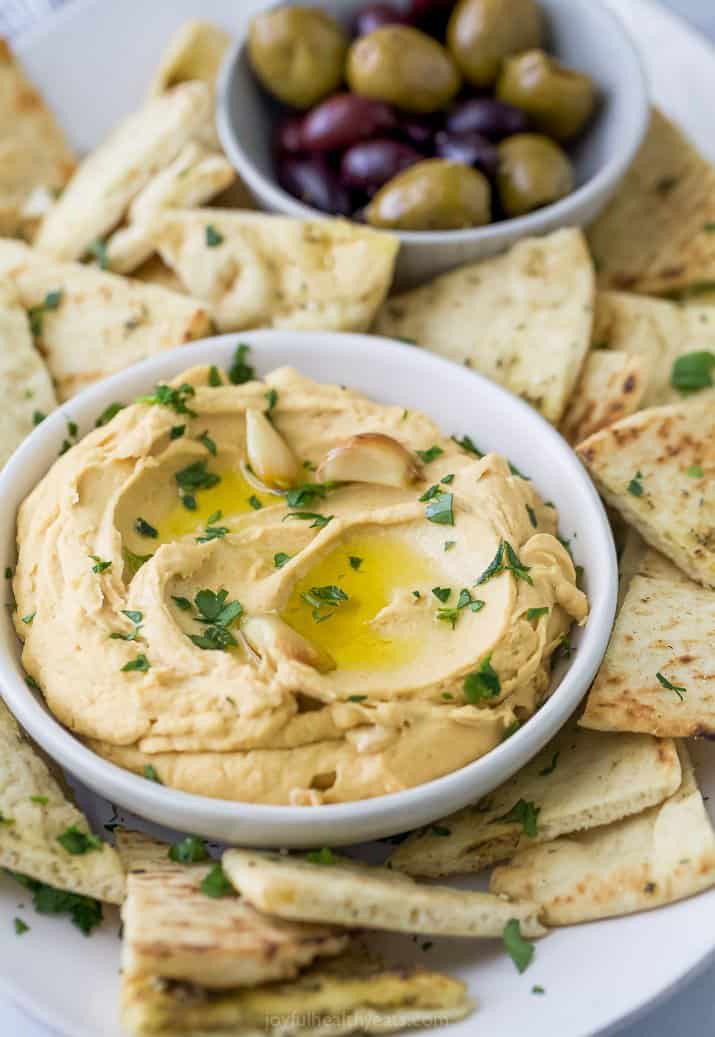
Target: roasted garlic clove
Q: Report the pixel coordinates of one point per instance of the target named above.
(369, 457)
(269, 456)
(270, 637)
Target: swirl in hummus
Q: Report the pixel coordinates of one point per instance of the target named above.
(379, 608)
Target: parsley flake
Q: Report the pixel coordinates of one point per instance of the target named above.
(324, 598)
(85, 912)
(213, 238)
(635, 486)
(100, 565)
(469, 446)
(440, 510)
(36, 314)
(182, 603)
(280, 559)
(692, 372)
(240, 372)
(520, 950)
(524, 813)
(195, 476)
(20, 926)
(174, 399)
(77, 842)
(189, 850)
(431, 454)
(679, 690)
(695, 471)
(145, 529)
(140, 664)
(317, 521)
(536, 613)
(216, 884)
(214, 377)
(323, 856)
(355, 562)
(206, 440)
(551, 767)
(151, 775)
(108, 413)
(482, 683)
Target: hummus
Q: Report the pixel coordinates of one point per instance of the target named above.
(196, 626)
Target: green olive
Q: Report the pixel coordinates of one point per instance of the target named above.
(297, 53)
(481, 33)
(404, 67)
(533, 171)
(432, 195)
(558, 100)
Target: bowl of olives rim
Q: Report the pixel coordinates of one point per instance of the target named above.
(460, 125)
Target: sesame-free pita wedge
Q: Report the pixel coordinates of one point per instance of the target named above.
(522, 319)
(255, 270)
(611, 387)
(26, 391)
(656, 468)
(658, 674)
(352, 993)
(88, 324)
(579, 780)
(184, 921)
(657, 332)
(327, 888)
(655, 236)
(664, 854)
(44, 838)
(35, 159)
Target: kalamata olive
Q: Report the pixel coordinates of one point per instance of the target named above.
(311, 179)
(470, 148)
(374, 16)
(288, 136)
(494, 119)
(431, 16)
(370, 164)
(419, 130)
(343, 120)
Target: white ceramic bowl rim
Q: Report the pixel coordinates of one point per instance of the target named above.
(385, 811)
(564, 211)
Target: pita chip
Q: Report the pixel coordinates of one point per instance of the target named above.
(26, 391)
(36, 814)
(522, 319)
(35, 159)
(579, 780)
(107, 181)
(327, 888)
(174, 929)
(655, 331)
(656, 468)
(254, 270)
(352, 993)
(662, 855)
(655, 236)
(89, 324)
(611, 387)
(155, 271)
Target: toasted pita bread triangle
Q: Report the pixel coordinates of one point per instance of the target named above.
(347, 892)
(35, 159)
(26, 392)
(655, 235)
(255, 270)
(175, 930)
(662, 855)
(665, 627)
(352, 993)
(638, 559)
(611, 387)
(35, 812)
(579, 780)
(522, 319)
(95, 323)
(656, 469)
(106, 182)
(655, 331)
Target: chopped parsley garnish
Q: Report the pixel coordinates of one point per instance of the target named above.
(38, 417)
(510, 730)
(440, 830)
(240, 372)
(215, 377)
(175, 399)
(136, 618)
(145, 529)
(41, 801)
(132, 561)
(482, 683)
(85, 912)
(524, 813)
(430, 455)
(499, 565)
(20, 926)
(355, 562)
(356, 698)
(635, 486)
(324, 601)
(306, 493)
(447, 479)
(431, 493)
(537, 990)
(679, 690)
(196, 477)
(271, 398)
(213, 238)
(216, 884)
(8, 573)
(551, 767)
(212, 532)
(442, 593)
(467, 444)
(6, 820)
(695, 471)
(177, 431)
(32, 683)
(182, 603)
(536, 613)
(693, 372)
(317, 521)
(151, 775)
(465, 600)
(532, 516)
(36, 314)
(108, 413)
(280, 559)
(564, 649)
(519, 950)
(27, 620)
(254, 502)
(324, 856)
(139, 665)
(189, 501)
(189, 850)
(416, 595)
(440, 510)
(100, 565)
(217, 614)
(515, 471)
(77, 842)
(97, 249)
(206, 440)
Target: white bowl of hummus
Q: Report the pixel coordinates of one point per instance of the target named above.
(304, 589)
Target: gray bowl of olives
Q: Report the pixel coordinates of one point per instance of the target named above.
(460, 125)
